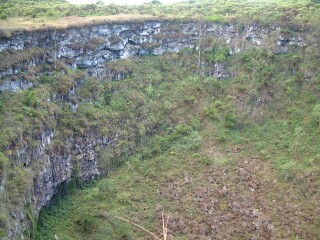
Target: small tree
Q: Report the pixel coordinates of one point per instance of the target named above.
(100, 3)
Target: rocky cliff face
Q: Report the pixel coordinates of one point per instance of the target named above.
(90, 48)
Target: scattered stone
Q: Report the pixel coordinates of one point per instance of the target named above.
(158, 207)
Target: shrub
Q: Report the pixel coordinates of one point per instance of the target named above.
(87, 222)
(215, 18)
(3, 164)
(229, 120)
(3, 16)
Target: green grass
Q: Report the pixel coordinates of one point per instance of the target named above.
(281, 128)
(162, 112)
(130, 192)
(300, 12)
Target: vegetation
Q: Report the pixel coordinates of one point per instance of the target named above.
(178, 117)
(303, 12)
(253, 136)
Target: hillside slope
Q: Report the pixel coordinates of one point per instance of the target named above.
(234, 162)
(231, 109)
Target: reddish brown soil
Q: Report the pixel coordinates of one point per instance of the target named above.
(238, 200)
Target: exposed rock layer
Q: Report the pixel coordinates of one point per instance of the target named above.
(89, 48)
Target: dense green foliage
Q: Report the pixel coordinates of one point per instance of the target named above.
(164, 109)
(128, 108)
(269, 109)
(279, 11)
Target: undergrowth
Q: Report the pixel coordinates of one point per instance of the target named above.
(300, 12)
(268, 111)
